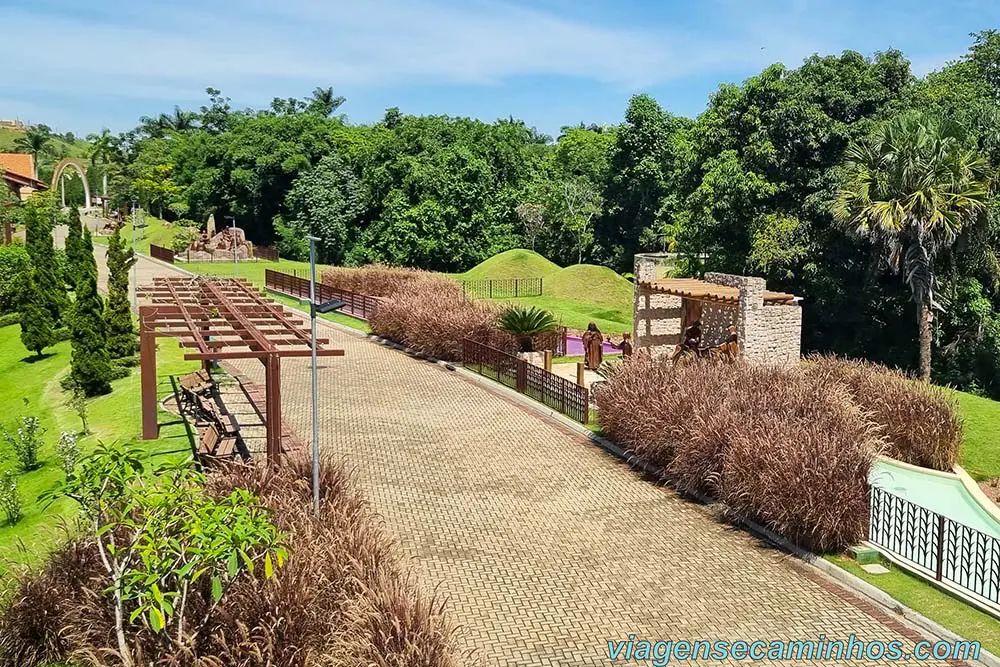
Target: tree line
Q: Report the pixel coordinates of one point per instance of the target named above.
(759, 183)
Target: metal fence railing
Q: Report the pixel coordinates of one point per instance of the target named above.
(938, 546)
(161, 253)
(358, 305)
(554, 391)
(502, 289)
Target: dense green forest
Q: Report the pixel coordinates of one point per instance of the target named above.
(748, 186)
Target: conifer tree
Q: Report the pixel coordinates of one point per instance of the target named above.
(49, 285)
(122, 339)
(90, 365)
(37, 331)
(74, 247)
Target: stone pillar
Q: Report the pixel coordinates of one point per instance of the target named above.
(751, 326)
(644, 269)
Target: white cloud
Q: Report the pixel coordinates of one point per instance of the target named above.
(170, 51)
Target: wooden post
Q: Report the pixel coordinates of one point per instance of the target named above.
(8, 233)
(522, 376)
(548, 360)
(272, 408)
(147, 381)
(580, 374)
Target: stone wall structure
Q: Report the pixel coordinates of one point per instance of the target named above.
(770, 332)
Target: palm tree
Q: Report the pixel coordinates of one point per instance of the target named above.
(102, 150)
(35, 141)
(911, 189)
(324, 102)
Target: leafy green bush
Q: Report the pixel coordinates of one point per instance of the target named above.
(10, 497)
(15, 264)
(68, 452)
(10, 319)
(25, 441)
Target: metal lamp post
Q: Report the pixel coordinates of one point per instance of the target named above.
(315, 308)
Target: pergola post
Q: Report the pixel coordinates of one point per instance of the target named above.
(272, 405)
(147, 375)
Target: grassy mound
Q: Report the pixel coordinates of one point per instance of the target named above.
(516, 263)
(595, 285)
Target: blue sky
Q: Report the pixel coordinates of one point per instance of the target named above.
(104, 63)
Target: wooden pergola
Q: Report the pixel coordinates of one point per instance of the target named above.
(702, 290)
(220, 318)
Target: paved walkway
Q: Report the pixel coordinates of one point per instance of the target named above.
(545, 547)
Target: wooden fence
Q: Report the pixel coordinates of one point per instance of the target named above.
(554, 391)
(358, 305)
(161, 253)
(502, 289)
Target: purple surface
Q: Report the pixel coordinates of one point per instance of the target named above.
(574, 347)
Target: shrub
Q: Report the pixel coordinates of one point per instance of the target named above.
(390, 281)
(10, 497)
(340, 599)
(526, 322)
(25, 441)
(10, 319)
(772, 445)
(15, 265)
(919, 421)
(68, 451)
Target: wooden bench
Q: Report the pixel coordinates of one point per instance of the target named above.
(197, 383)
(213, 443)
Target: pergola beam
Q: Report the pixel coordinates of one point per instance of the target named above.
(221, 319)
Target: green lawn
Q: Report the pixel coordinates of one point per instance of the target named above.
(936, 605)
(576, 295)
(253, 271)
(980, 454)
(156, 233)
(29, 387)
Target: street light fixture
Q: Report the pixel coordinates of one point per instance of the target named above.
(314, 308)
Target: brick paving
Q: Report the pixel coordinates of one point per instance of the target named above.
(545, 546)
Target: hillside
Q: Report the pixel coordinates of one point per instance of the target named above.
(577, 295)
(518, 263)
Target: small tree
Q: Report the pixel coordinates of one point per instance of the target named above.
(583, 202)
(10, 497)
(532, 219)
(160, 536)
(26, 440)
(78, 403)
(49, 288)
(68, 452)
(122, 339)
(37, 327)
(90, 364)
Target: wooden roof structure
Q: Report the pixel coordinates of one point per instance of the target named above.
(693, 288)
(220, 318)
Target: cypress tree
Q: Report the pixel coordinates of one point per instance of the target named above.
(37, 331)
(74, 247)
(122, 339)
(90, 365)
(49, 287)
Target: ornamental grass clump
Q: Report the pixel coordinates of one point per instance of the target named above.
(919, 421)
(389, 281)
(771, 445)
(434, 322)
